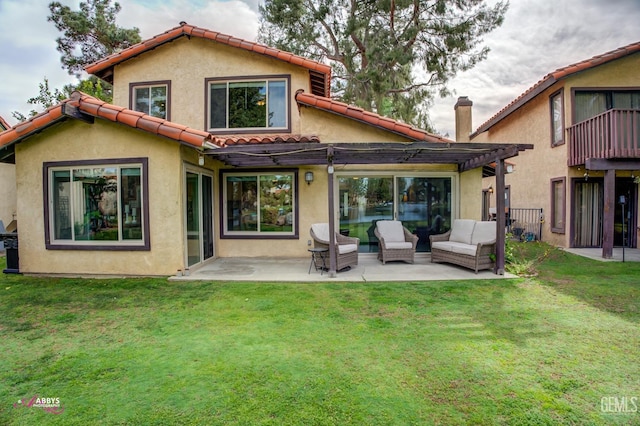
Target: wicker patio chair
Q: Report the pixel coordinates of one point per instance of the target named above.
(396, 242)
(347, 248)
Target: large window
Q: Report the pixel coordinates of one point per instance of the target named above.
(557, 119)
(248, 104)
(558, 203)
(151, 98)
(97, 204)
(260, 204)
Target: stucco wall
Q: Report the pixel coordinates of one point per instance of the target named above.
(334, 128)
(530, 184)
(7, 192)
(73, 140)
(187, 63)
(471, 194)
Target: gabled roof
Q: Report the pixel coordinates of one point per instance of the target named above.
(3, 124)
(320, 74)
(366, 117)
(86, 107)
(555, 76)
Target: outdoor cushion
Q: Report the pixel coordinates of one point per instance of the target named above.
(461, 230)
(484, 232)
(462, 248)
(347, 248)
(391, 231)
(442, 245)
(321, 230)
(400, 245)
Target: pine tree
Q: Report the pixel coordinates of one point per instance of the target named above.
(388, 56)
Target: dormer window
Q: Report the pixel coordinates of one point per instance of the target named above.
(248, 105)
(151, 98)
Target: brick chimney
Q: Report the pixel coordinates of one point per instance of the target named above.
(463, 119)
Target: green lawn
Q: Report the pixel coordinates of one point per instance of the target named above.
(559, 348)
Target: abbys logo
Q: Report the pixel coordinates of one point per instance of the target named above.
(619, 404)
(50, 405)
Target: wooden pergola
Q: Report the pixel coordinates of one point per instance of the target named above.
(466, 156)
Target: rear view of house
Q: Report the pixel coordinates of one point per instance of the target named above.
(221, 147)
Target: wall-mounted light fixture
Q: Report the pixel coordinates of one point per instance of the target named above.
(330, 169)
(308, 177)
(201, 160)
(490, 189)
(509, 168)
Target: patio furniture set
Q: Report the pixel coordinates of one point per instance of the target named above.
(468, 243)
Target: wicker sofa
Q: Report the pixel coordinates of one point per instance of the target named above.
(347, 248)
(395, 241)
(469, 243)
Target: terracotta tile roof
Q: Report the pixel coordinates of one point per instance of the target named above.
(3, 124)
(96, 108)
(370, 118)
(320, 73)
(264, 139)
(555, 76)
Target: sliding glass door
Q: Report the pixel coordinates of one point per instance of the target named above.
(424, 206)
(421, 203)
(199, 217)
(363, 201)
(588, 204)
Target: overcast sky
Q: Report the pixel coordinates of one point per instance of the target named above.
(537, 37)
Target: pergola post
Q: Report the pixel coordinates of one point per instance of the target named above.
(608, 219)
(332, 226)
(501, 221)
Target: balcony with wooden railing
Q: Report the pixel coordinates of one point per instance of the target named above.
(614, 134)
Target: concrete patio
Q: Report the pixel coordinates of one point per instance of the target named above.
(369, 269)
(630, 254)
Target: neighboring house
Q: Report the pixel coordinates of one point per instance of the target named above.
(220, 147)
(7, 185)
(584, 121)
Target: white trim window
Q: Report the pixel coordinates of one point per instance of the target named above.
(97, 204)
(261, 204)
(255, 104)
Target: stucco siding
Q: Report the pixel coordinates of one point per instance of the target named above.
(188, 62)
(73, 140)
(334, 128)
(529, 185)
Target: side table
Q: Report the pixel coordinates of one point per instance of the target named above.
(318, 259)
